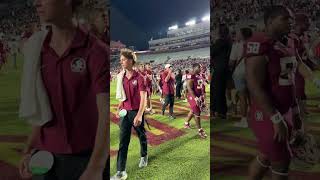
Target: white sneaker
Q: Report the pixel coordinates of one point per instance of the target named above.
(120, 175)
(143, 162)
(242, 123)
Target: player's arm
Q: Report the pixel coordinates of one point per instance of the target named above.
(101, 147)
(256, 76)
(143, 95)
(24, 163)
(189, 87)
(120, 105)
(35, 133)
(100, 76)
(143, 102)
(168, 77)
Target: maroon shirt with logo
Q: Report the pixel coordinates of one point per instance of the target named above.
(198, 85)
(72, 82)
(167, 87)
(132, 88)
(281, 69)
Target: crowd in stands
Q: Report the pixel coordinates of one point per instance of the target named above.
(234, 12)
(182, 64)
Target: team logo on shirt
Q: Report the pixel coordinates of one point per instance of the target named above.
(78, 65)
(135, 82)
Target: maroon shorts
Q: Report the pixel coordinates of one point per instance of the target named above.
(193, 106)
(262, 127)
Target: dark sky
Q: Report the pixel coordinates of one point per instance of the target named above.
(134, 22)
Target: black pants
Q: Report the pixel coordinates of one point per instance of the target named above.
(126, 124)
(70, 167)
(178, 90)
(169, 99)
(218, 92)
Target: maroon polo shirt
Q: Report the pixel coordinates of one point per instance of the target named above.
(167, 87)
(132, 88)
(72, 82)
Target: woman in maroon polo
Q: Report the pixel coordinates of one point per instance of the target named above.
(134, 106)
(74, 70)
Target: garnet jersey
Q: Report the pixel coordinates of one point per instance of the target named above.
(280, 70)
(198, 85)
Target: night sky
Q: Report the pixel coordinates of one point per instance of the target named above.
(134, 22)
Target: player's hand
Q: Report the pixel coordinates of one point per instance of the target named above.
(117, 114)
(280, 131)
(91, 174)
(24, 167)
(137, 121)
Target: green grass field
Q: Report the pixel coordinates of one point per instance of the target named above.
(183, 157)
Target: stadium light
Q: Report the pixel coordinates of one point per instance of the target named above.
(173, 27)
(206, 18)
(191, 23)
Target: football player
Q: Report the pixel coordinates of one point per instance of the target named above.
(270, 70)
(196, 99)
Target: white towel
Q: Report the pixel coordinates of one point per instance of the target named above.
(120, 94)
(34, 102)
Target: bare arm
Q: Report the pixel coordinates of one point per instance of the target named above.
(35, 133)
(255, 75)
(189, 86)
(168, 77)
(101, 148)
(143, 100)
(120, 105)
